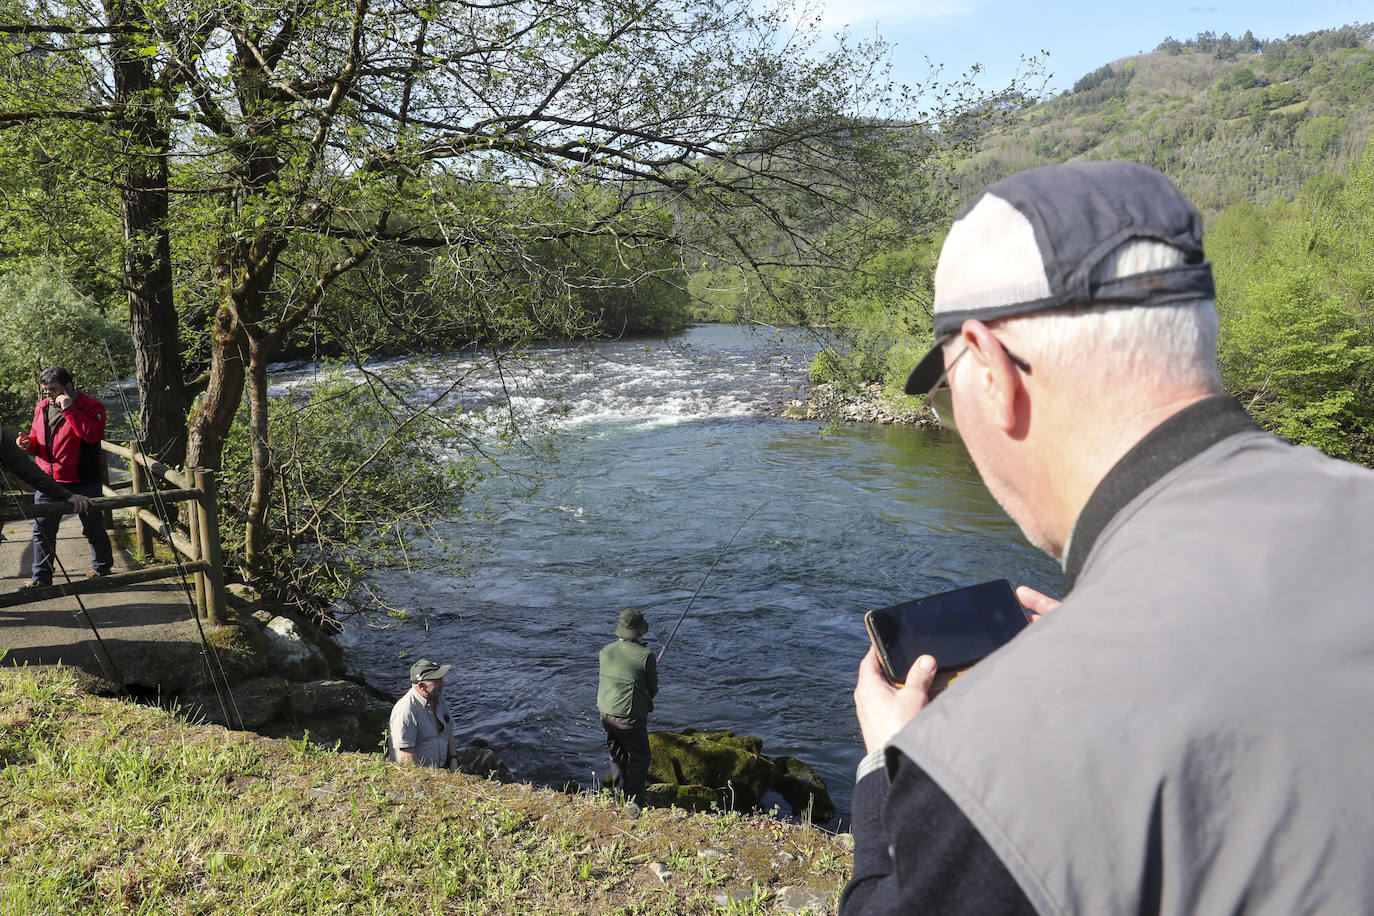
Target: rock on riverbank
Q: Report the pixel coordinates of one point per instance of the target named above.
(702, 771)
(864, 404)
(261, 670)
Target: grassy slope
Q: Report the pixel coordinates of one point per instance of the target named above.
(107, 807)
(1221, 142)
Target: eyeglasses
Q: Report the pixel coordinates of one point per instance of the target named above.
(940, 400)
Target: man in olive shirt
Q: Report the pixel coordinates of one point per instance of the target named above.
(625, 697)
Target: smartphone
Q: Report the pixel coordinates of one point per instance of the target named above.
(958, 628)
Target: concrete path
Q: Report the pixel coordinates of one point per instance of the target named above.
(131, 620)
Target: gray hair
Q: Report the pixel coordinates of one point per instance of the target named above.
(1174, 342)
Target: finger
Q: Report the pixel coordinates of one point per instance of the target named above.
(870, 659)
(921, 675)
(1036, 603)
(870, 669)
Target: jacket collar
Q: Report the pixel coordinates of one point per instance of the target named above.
(1185, 435)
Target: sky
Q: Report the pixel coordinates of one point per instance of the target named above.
(1079, 35)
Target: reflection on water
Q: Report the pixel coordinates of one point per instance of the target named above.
(668, 450)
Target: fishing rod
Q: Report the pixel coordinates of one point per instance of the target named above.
(113, 669)
(705, 577)
(209, 655)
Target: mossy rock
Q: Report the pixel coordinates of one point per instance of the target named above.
(691, 798)
(746, 743)
(242, 598)
(175, 666)
(802, 786)
(241, 650)
(716, 760)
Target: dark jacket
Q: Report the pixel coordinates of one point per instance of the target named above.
(629, 680)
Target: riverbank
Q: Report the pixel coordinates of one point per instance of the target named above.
(863, 404)
(108, 806)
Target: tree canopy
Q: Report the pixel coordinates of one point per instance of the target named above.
(487, 171)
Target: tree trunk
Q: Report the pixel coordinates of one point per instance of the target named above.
(214, 413)
(147, 267)
(261, 498)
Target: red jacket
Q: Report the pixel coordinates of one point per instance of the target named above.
(78, 430)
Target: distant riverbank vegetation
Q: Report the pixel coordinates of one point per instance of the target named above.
(195, 194)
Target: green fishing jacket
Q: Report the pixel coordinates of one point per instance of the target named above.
(629, 680)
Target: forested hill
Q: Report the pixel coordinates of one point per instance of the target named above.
(1230, 120)
(1271, 140)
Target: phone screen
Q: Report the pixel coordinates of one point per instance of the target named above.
(957, 627)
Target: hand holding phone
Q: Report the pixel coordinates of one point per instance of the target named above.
(957, 628)
(882, 709)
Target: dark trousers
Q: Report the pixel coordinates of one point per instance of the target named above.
(628, 741)
(92, 525)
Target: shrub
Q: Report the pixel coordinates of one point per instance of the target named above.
(45, 322)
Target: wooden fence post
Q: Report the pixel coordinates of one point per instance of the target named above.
(192, 513)
(103, 476)
(138, 476)
(209, 542)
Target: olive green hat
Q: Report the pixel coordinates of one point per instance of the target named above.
(632, 624)
(426, 670)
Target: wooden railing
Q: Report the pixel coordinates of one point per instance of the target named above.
(195, 537)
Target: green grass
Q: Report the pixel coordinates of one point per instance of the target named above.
(107, 807)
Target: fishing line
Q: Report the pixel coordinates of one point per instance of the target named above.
(669, 640)
(86, 614)
(209, 655)
(889, 577)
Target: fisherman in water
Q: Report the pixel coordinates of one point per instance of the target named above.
(625, 697)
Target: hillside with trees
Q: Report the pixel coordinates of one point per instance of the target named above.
(1230, 120)
(1271, 140)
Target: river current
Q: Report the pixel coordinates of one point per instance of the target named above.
(666, 447)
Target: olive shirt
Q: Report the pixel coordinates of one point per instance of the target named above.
(629, 680)
(415, 724)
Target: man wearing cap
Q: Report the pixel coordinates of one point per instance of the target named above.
(1191, 730)
(625, 697)
(421, 729)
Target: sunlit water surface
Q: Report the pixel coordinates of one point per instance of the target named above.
(666, 449)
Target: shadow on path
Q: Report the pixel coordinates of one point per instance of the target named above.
(132, 620)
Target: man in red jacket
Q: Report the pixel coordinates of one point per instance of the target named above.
(65, 442)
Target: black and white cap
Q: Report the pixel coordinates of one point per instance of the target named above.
(1034, 241)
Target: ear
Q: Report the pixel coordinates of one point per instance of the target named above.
(995, 377)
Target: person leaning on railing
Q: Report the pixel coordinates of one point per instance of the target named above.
(65, 438)
(17, 461)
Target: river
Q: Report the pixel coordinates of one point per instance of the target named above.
(666, 448)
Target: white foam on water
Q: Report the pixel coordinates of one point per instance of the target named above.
(646, 384)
